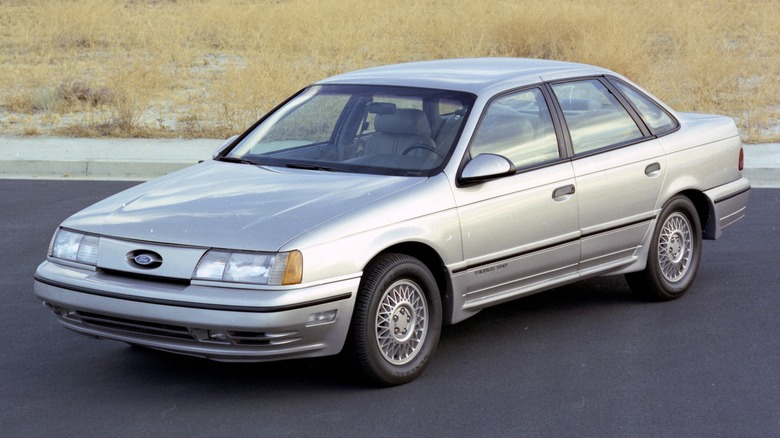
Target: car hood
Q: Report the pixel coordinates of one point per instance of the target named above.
(236, 206)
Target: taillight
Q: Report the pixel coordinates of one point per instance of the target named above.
(741, 159)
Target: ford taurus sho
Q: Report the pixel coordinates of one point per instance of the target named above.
(373, 207)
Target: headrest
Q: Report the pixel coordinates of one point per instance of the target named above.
(403, 121)
(580, 104)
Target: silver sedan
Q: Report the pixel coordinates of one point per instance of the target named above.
(374, 206)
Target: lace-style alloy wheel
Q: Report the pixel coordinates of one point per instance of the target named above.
(401, 322)
(675, 245)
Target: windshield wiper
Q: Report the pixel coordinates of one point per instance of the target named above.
(307, 166)
(227, 159)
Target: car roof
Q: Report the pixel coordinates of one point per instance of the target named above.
(474, 75)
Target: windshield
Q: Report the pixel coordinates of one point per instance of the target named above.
(363, 129)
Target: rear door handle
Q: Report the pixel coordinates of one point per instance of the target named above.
(653, 169)
(563, 193)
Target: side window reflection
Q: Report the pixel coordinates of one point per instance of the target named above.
(517, 126)
(654, 116)
(594, 116)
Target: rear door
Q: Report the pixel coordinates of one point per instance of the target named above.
(618, 166)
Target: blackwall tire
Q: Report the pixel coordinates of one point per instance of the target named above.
(674, 256)
(397, 321)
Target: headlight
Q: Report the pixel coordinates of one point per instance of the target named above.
(255, 268)
(76, 247)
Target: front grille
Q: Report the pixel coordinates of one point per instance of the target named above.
(106, 323)
(131, 326)
(139, 276)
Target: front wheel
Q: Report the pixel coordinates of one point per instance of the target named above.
(674, 255)
(397, 320)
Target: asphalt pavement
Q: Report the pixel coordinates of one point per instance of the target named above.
(585, 360)
(143, 159)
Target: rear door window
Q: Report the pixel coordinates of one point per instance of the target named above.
(594, 117)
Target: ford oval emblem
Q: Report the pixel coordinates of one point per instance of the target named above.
(144, 259)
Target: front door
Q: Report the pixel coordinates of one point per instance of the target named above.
(519, 232)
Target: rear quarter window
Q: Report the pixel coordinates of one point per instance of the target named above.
(658, 120)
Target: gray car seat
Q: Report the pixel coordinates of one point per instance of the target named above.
(396, 131)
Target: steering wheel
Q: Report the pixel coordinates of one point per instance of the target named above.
(426, 147)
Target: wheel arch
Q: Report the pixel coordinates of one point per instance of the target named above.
(431, 259)
(704, 209)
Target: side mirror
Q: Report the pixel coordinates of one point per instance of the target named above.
(224, 146)
(485, 167)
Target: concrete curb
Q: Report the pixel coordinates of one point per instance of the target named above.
(140, 159)
(89, 158)
(762, 164)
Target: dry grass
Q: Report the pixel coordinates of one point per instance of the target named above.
(211, 67)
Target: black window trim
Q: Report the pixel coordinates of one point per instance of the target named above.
(549, 99)
(565, 146)
(613, 79)
(632, 112)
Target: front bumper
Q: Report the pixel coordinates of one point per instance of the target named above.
(219, 323)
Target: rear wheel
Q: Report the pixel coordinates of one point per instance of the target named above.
(675, 252)
(397, 320)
